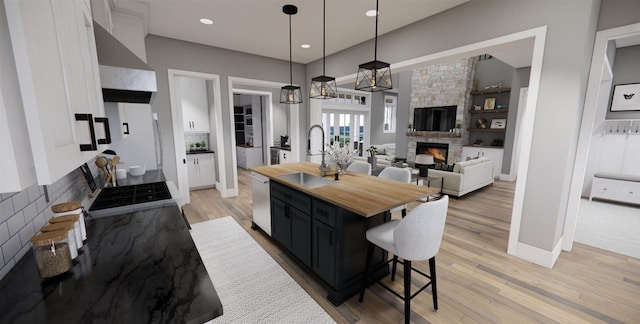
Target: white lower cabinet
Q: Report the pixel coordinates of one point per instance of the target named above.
(249, 157)
(494, 153)
(202, 170)
(57, 70)
(616, 190)
(284, 156)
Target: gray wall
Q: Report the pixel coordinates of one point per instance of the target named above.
(493, 71)
(626, 69)
(616, 13)
(571, 26)
(378, 136)
(165, 53)
(403, 112)
(520, 79)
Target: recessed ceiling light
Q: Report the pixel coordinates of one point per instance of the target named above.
(371, 13)
(206, 21)
(305, 46)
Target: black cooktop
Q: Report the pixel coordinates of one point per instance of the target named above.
(130, 195)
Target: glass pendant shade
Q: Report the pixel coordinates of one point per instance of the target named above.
(323, 87)
(290, 94)
(374, 76)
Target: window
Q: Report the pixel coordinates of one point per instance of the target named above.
(389, 114)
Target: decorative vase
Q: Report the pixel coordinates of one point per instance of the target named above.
(372, 160)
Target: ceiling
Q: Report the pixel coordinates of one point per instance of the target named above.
(259, 26)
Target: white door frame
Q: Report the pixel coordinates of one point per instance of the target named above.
(268, 114)
(538, 35)
(235, 84)
(178, 129)
(595, 108)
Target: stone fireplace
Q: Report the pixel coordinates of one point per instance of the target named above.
(442, 84)
(440, 151)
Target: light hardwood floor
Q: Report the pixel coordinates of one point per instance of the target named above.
(478, 282)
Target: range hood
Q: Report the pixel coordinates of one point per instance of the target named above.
(123, 75)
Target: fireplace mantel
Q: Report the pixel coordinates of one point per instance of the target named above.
(434, 134)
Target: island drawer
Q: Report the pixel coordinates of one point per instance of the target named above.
(291, 197)
(324, 212)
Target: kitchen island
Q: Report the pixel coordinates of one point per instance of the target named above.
(139, 267)
(324, 227)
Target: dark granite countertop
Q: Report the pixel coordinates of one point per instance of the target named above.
(200, 152)
(140, 267)
(150, 176)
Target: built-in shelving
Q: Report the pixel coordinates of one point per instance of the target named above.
(490, 91)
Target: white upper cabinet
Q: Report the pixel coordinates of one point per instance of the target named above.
(16, 164)
(57, 68)
(195, 107)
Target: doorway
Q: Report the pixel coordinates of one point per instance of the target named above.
(215, 135)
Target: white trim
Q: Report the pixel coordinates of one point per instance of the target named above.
(178, 129)
(599, 73)
(538, 34)
(526, 137)
(539, 256)
(233, 83)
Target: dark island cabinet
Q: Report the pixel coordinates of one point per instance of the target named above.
(329, 240)
(291, 221)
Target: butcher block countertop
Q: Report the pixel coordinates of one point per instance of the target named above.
(360, 193)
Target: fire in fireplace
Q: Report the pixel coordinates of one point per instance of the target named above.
(440, 151)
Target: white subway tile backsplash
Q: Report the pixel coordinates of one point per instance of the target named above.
(7, 267)
(41, 204)
(22, 252)
(21, 200)
(15, 223)
(4, 233)
(23, 213)
(33, 192)
(26, 233)
(6, 209)
(11, 247)
(30, 212)
(38, 222)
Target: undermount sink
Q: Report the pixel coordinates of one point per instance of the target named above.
(307, 180)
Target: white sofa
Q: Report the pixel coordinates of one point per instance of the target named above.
(466, 176)
(385, 155)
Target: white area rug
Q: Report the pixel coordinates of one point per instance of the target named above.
(251, 285)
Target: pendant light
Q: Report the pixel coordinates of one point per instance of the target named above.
(290, 94)
(374, 75)
(323, 87)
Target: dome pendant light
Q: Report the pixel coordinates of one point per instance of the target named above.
(374, 75)
(323, 87)
(290, 94)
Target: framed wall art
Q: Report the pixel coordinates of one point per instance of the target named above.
(499, 123)
(489, 103)
(626, 97)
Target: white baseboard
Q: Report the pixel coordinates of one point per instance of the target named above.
(539, 256)
(227, 193)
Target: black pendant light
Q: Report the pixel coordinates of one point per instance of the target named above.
(323, 87)
(374, 75)
(290, 94)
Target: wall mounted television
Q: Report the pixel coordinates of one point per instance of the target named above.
(435, 119)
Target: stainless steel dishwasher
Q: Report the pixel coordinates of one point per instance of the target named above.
(261, 203)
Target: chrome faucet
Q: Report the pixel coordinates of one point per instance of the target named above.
(323, 166)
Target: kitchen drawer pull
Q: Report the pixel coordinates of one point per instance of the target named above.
(89, 119)
(323, 213)
(107, 133)
(125, 126)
